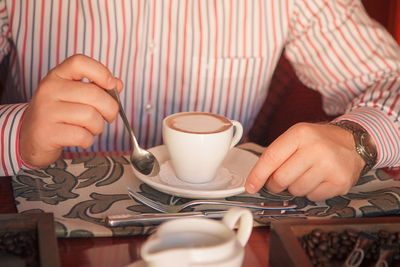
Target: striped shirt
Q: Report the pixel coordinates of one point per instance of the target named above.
(203, 55)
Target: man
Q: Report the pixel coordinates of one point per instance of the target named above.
(212, 56)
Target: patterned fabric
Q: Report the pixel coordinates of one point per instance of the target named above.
(82, 192)
(204, 55)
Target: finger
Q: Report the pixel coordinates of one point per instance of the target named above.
(78, 67)
(273, 157)
(307, 182)
(323, 191)
(81, 115)
(70, 135)
(120, 85)
(89, 94)
(297, 164)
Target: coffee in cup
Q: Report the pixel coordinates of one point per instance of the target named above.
(198, 123)
(198, 142)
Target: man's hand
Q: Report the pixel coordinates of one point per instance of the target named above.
(65, 111)
(314, 160)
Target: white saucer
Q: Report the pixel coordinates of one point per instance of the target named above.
(229, 181)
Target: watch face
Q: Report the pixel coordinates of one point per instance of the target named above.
(365, 142)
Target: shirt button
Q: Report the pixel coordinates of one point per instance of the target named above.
(148, 107)
(152, 47)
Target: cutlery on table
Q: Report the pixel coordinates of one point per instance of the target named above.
(164, 208)
(157, 218)
(142, 160)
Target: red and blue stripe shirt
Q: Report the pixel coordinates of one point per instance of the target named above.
(203, 55)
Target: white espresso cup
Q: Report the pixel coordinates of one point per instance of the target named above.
(200, 242)
(198, 142)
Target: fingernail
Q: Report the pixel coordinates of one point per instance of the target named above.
(251, 189)
(120, 84)
(110, 80)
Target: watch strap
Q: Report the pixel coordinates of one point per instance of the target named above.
(363, 144)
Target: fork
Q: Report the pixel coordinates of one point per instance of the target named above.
(164, 208)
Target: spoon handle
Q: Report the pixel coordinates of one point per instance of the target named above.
(114, 93)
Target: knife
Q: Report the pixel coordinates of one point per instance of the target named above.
(157, 218)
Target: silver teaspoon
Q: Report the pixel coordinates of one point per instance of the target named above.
(142, 160)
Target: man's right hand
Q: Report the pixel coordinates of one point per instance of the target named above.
(66, 111)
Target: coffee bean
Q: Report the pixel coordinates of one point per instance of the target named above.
(343, 236)
(333, 251)
(383, 234)
(11, 248)
(343, 250)
(22, 244)
(310, 243)
(346, 243)
(392, 237)
(323, 258)
(310, 252)
(316, 232)
(318, 254)
(334, 240)
(303, 243)
(352, 233)
(315, 240)
(323, 248)
(314, 262)
(341, 256)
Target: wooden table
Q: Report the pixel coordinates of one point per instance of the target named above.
(120, 251)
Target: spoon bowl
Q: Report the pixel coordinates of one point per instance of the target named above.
(142, 160)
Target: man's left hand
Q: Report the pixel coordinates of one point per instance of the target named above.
(315, 160)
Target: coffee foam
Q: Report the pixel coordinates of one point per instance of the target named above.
(198, 123)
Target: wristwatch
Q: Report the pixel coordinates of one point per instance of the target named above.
(365, 147)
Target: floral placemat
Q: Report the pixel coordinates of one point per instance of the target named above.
(81, 192)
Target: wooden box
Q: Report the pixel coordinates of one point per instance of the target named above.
(285, 247)
(38, 225)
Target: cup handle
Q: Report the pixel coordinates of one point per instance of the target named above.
(238, 133)
(246, 223)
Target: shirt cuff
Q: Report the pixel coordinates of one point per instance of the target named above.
(10, 123)
(383, 131)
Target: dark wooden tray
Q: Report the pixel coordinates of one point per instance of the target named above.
(285, 248)
(40, 223)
